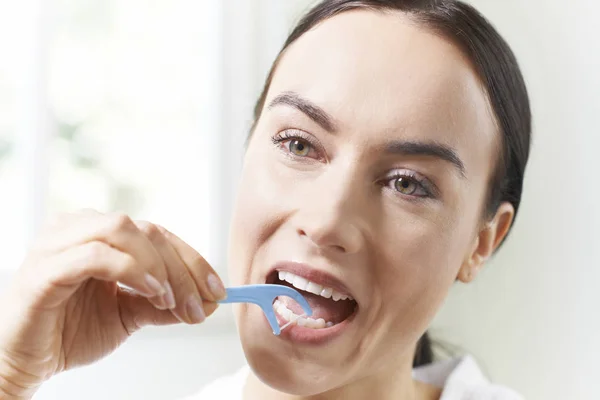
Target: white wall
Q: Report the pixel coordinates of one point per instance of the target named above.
(531, 319)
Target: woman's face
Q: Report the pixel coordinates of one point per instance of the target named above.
(365, 177)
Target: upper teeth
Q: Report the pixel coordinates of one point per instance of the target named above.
(308, 286)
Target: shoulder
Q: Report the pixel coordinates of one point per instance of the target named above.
(462, 379)
(227, 387)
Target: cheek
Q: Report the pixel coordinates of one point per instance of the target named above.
(256, 215)
(420, 261)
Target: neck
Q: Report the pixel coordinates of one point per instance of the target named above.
(395, 383)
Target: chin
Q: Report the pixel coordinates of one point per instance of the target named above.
(280, 364)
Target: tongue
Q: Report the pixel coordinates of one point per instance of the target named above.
(329, 310)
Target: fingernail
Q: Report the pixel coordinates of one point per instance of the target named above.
(194, 309)
(169, 298)
(154, 285)
(216, 287)
(159, 302)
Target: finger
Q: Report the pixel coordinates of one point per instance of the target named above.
(189, 303)
(137, 312)
(207, 280)
(118, 231)
(66, 271)
(139, 245)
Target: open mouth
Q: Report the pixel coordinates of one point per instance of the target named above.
(330, 307)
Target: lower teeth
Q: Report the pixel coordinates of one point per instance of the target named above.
(296, 319)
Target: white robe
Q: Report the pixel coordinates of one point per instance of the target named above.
(461, 379)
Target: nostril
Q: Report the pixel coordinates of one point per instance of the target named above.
(339, 248)
(322, 242)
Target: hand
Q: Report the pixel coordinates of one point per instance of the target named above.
(64, 308)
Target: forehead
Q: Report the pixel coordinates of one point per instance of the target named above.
(381, 74)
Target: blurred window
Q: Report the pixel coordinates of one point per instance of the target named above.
(110, 105)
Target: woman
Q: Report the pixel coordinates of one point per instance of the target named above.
(386, 162)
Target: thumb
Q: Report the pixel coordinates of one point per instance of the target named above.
(137, 311)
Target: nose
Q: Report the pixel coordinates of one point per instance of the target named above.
(330, 217)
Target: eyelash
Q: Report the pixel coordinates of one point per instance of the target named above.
(295, 134)
(423, 183)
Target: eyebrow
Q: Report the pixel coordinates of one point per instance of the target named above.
(407, 148)
(430, 149)
(310, 109)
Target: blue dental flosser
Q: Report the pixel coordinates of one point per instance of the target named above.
(264, 296)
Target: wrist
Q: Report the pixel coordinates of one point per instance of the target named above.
(15, 385)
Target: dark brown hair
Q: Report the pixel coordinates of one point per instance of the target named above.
(496, 66)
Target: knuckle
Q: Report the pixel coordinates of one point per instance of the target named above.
(126, 264)
(95, 250)
(181, 279)
(120, 222)
(150, 230)
(197, 262)
(162, 229)
(158, 268)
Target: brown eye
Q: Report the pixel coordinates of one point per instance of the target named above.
(406, 185)
(299, 148)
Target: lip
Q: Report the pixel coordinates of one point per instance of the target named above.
(304, 335)
(307, 272)
(301, 334)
